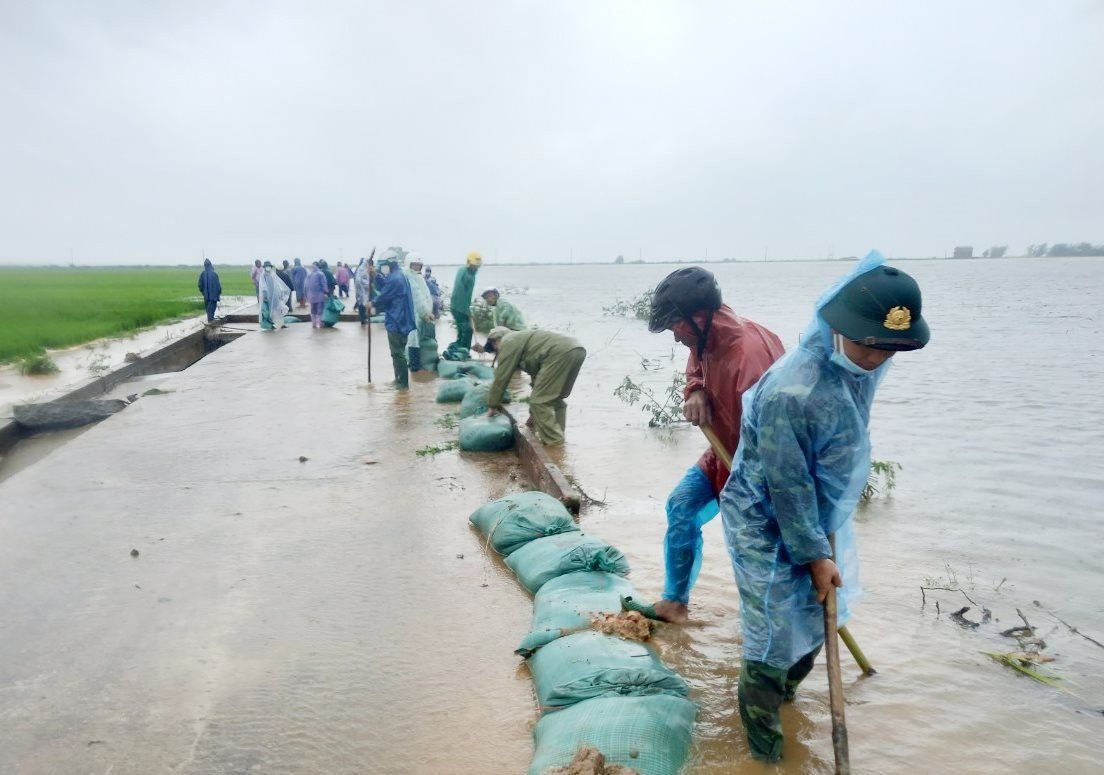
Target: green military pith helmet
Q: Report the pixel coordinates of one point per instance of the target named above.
(880, 309)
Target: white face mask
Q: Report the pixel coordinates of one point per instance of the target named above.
(385, 269)
(840, 358)
(268, 270)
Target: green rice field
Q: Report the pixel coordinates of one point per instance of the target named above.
(54, 307)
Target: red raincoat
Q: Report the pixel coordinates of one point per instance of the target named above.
(737, 352)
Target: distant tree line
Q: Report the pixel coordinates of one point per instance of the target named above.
(1060, 249)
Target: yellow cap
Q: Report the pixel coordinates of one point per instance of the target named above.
(475, 258)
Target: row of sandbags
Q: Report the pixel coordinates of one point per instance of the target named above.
(594, 690)
(468, 383)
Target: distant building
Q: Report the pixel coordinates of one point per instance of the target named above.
(964, 251)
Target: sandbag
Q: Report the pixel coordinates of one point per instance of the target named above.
(569, 603)
(332, 311)
(450, 369)
(475, 400)
(454, 369)
(590, 664)
(544, 559)
(511, 522)
(380, 318)
(479, 370)
(289, 319)
(650, 735)
(486, 433)
(428, 352)
(454, 390)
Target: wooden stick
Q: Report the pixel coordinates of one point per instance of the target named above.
(844, 633)
(718, 447)
(368, 312)
(835, 680)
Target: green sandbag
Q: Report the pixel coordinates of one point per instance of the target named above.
(485, 433)
(650, 735)
(475, 400)
(546, 558)
(332, 311)
(591, 664)
(289, 319)
(453, 390)
(569, 603)
(428, 353)
(454, 369)
(380, 318)
(450, 369)
(511, 522)
(479, 370)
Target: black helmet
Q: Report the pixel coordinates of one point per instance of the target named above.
(881, 309)
(680, 295)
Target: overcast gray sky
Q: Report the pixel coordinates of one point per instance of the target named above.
(144, 131)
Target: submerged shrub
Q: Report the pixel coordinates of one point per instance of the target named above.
(39, 363)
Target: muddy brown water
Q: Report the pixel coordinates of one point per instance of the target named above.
(302, 617)
(999, 427)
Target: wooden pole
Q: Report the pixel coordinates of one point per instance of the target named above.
(368, 311)
(844, 633)
(835, 679)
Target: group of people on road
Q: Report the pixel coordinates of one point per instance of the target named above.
(795, 425)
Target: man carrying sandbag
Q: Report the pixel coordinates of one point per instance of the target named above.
(803, 461)
(552, 360)
(728, 354)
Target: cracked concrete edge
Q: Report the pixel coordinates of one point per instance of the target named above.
(171, 356)
(545, 475)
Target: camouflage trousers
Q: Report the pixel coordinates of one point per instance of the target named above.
(761, 692)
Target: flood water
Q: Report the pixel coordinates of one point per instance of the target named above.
(999, 428)
(317, 616)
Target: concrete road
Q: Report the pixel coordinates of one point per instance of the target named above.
(281, 616)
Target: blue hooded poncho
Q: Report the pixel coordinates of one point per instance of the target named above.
(209, 284)
(802, 463)
(397, 301)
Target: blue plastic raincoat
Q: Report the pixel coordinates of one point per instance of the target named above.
(299, 280)
(802, 462)
(209, 284)
(396, 301)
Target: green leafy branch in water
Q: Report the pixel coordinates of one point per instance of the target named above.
(1026, 663)
(40, 363)
(435, 449)
(883, 478)
(639, 308)
(666, 410)
(447, 421)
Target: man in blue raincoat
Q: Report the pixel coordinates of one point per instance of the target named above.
(803, 459)
(396, 300)
(210, 287)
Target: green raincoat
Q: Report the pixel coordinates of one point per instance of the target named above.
(553, 361)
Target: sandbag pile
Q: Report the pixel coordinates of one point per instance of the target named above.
(464, 382)
(595, 690)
